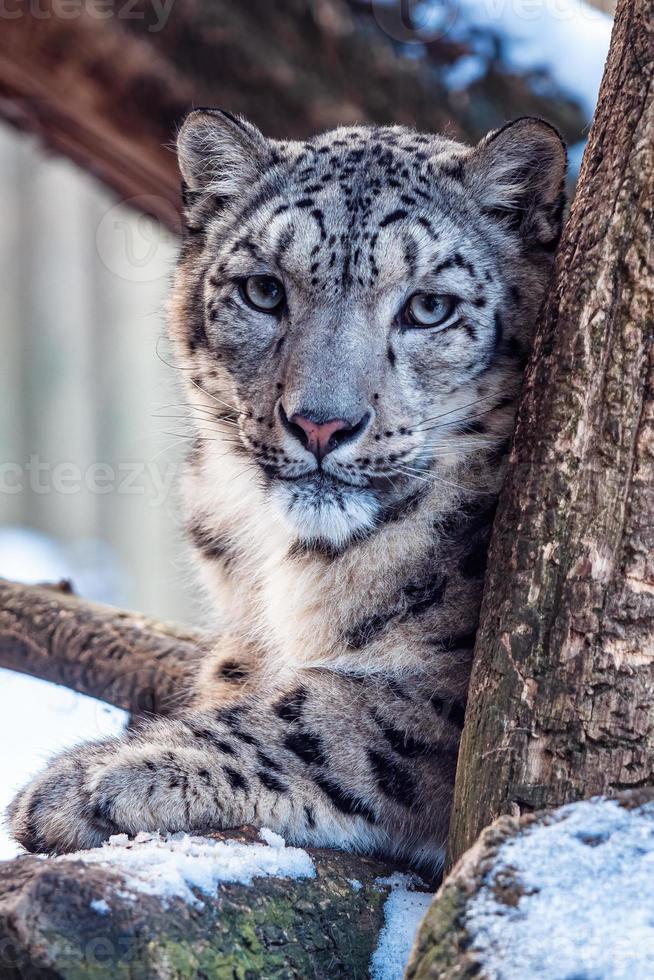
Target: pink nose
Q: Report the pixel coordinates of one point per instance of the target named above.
(318, 437)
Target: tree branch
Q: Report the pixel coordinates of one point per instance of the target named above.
(123, 658)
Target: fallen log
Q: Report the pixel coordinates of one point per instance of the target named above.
(74, 917)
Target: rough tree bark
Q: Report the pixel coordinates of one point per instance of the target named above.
(563, 679)
(107, 85)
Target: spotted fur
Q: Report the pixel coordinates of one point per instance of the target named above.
(332, 707)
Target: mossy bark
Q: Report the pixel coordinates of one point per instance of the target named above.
(563, 680)
(322, 927)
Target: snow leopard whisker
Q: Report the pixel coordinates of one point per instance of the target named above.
(460, 421)
(458, 408)
(219, 420)
(195, 408)
(178, 367)
(434, 478)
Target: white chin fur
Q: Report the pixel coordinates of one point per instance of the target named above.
(333, 516)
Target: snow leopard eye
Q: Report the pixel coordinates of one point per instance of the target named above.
(264, 293)
(429, 309)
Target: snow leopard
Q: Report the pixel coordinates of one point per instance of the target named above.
(351, 317)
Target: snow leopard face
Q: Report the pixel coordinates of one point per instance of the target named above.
(354, 311)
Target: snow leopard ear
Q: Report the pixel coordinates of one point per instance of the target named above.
(518, 174)
(218, 153)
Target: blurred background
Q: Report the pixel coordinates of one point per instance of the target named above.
(91, 93)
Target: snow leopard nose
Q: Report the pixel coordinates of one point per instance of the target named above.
(318, 437)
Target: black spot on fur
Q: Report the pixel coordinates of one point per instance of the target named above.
(457, 641)
(316, 547)
(368, 630)
(453, 711)
(207, 735)
(473, 565)
(499, 329)
(266, 761)
(393, 779)
(289, 708)
(232, 718)
(231, 670)
(246, 737)
(403, 508)
(306, 746)
(310, 816)
(423, 596)
(235, 779)
(389, 219)
(514, 349)
(271, 782)
(345, 801)
(212, 545)
(453, 170)
(403, 743)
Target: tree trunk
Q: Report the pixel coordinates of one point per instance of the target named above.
(108, 87)
(563, 679)
(120, 657)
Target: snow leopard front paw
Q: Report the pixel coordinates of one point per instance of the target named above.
(55, 814)
(148, 787)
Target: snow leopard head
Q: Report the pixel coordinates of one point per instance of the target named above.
(353, 312)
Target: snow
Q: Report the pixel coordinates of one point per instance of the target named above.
(100, 906)
(37, 720)
(588, 904)
(271, 838)
(173, 866)
(403, 912)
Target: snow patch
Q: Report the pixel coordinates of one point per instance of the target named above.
(172, 866)
(100, 906)
(354, 884)
(271, 838)
(38, 720)
(403, 912)
(587, 898)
